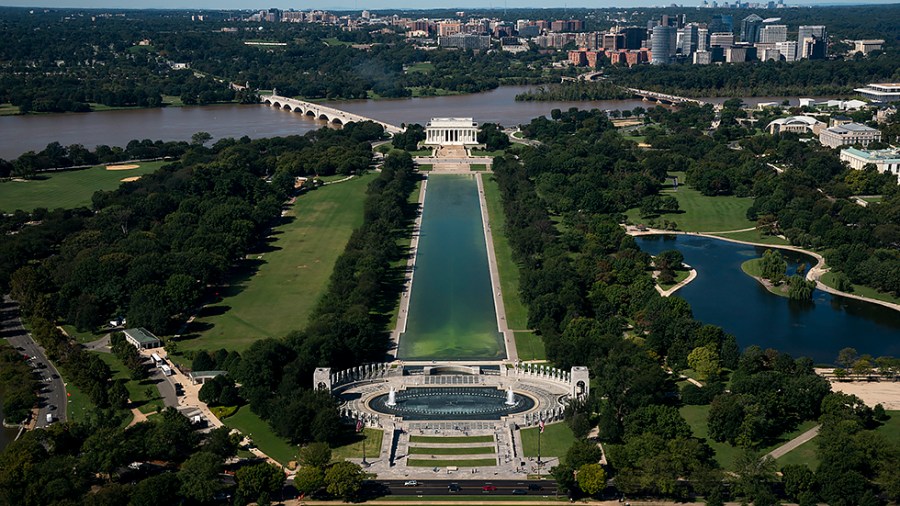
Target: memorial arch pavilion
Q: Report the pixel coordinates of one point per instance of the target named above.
(451, 131)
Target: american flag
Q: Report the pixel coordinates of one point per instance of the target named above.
(542, 426)
(359, 425)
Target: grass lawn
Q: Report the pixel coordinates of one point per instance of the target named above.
(451, 439)
(484, 152)
(423, 67)
(137, 389)
(263, 438)
(80, 404)
(871, 200)
(699, 213)
(530, 346)
(755, 236)
(353, 449)
(555, 441)
(276, 291)
(452, 450)
(424, 167)
(482, 498)
(451, 463)
(680, 275)
(478, 167)
(803, 454)
(66, 189)
(83, 337)
(640, 139)
(421, 152)
(516, 312)
(428, 91)
(890, 430)
(861, 290)
(333, 41)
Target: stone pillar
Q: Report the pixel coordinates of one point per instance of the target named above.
(322, 379)
(581, 382)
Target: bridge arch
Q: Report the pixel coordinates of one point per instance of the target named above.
(337, 121)
(324, 117)
(310, 112)
(287, 107)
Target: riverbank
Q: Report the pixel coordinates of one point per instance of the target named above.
(751, 268)
(7, 109)
(813, 274)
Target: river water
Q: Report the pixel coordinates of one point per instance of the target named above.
(19, 134)
(451, 307)
(723, 295)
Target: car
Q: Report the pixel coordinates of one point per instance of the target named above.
(453, 487)
(535, 486)
(410, 483)
(519, 491)
(489, 488)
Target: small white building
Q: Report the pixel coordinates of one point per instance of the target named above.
(796, 124)
(141, 338)
(451, 131)
(849, 134)
(881, 92)
(884, 160)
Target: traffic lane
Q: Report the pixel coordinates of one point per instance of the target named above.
(166, 387)
(52, 398)
(470, 487)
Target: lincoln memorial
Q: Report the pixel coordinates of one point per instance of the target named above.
(451, 131)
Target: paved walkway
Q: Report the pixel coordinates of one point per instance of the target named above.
(683, 283)
(794, 443)
(410, 272)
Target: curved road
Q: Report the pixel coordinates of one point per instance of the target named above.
(52, 396)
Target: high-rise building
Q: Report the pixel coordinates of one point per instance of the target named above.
(590, 40)
(634, 37)
(721, 23)
(448, 28)
(787, 49)
(812, 41)
(612, 41)
(750, 27)
(661, 45)
(688, 39)
(702, 38)
(702, 58)
(771, 34)
(721, 39)
(806, 31)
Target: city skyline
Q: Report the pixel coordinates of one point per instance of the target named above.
(349, 5)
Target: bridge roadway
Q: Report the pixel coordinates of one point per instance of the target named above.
(322, 112)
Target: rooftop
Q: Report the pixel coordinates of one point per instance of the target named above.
(875, 154)
(451, 122)
(847, 128)
(141, 335)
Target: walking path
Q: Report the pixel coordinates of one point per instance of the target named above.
(814, 273)
(683, 283)
(794, 443)
(508, 336)
(410, 272)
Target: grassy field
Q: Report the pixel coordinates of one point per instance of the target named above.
(137, 389)
(555, 441)
(452, 450)
(353, 449)
(424, 67)
(478, 167)
(804, 454)
(680, 275)
(755, 236)
(424, 167)
(80, 405)
(263, 438)
(7, 109)
(451, 439)
(516, 313)
(890, 430)
(530, 346)
(276, 290)
(66, 189)
(861, 290)
(699, 213)
(83, 337)
(451, 463)
(484, 152)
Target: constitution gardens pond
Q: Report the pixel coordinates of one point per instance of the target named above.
(723, 295)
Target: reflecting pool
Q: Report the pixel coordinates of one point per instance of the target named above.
(452, 403)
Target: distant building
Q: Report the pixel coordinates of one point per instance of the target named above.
(787, 50)
(884, 160)
(141, 338)
(721, 39)
(882, 92)
(466, 41)
(795, 124)
(447, 28)
(592, 40)
(867, 46)
(661, 45)
(750, 28)
(702, 39)
(688, 39)
(721, 23)
(849, 134)
(451, 131)
(771, 34)
(702, 58)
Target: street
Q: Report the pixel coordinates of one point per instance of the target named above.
(52, 396)
(470, 487)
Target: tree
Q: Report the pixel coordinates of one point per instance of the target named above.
(705, 360)
(257, 483)
(200, 138)
(309, 480)
(773, 266)
(156, 490)
(800, 289)
(799, 481)
(315, 455)
(344, 480)
(118, 394)
(200, 477)
(591, 478)
(847, 357)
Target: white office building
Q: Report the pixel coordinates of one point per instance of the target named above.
(849, 134)
(884, 160)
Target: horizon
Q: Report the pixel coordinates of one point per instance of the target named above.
(332, 5)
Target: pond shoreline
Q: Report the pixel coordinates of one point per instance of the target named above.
(813, 274)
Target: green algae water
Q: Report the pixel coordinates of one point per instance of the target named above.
(451, 307)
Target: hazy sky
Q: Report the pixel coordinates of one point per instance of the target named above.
(372, 4)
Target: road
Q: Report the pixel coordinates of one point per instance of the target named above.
(470, 487)
(52, 397)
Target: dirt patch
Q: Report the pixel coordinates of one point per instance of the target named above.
(129, 179)
(122, 167)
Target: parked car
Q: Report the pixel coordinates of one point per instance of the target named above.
(453, 487)
(410, 483)
(489, 488)
(519, 491)
(49, 418)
